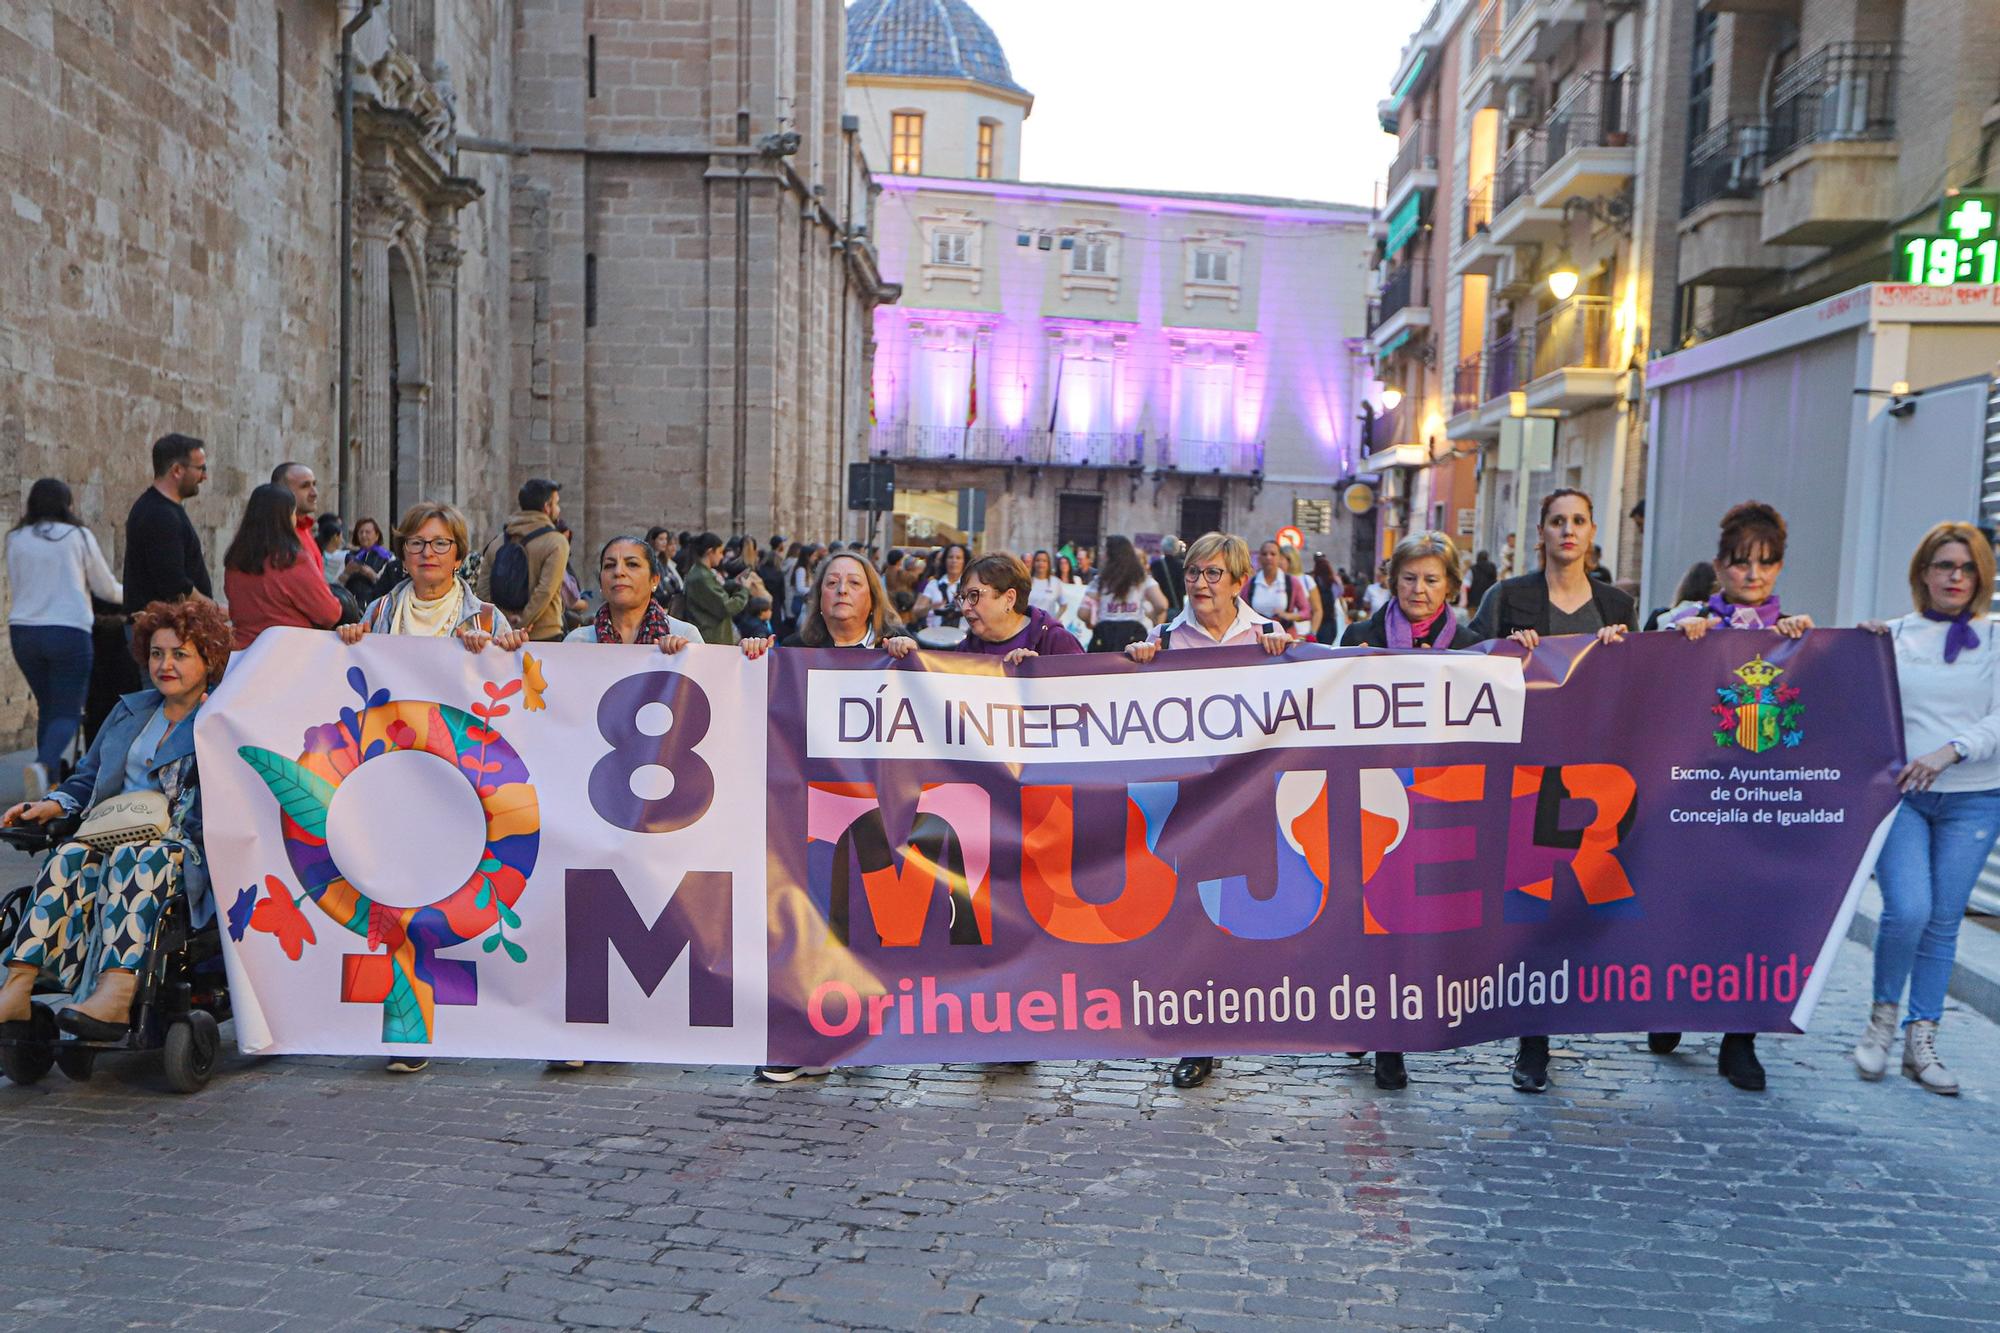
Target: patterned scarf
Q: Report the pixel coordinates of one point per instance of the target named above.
(652, 628)
(1403, 634)
(1960, 636)
(1733, 616)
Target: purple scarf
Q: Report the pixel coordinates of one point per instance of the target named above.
(1745, 617)
(1960, 636)
(1402, 634)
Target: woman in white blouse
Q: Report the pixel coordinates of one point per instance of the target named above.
(53, 566)
(1948, 667)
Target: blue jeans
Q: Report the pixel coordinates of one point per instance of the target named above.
(1930, 862)
(56, 661)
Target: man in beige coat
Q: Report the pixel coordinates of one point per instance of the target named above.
(547, 551)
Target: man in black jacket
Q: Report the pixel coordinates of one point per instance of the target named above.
(1167, 572)
(163, 556)
(1483, 576)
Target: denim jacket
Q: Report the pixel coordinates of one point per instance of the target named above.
(102, 775)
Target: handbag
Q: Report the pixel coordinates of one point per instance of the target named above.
(135, 816)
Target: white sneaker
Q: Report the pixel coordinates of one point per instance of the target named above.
(1921, 1063)
(1871, 1055)
(34, 782)
(407, 1064)
(790, 1073)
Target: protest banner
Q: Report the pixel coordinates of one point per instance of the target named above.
(826, 857)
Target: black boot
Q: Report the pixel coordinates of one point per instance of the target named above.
(1193, 1070)
(1662, 1043)
(1531, 1065)
(1390, 1076)
(1738, 1061)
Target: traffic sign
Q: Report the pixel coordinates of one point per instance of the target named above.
(1292, 537)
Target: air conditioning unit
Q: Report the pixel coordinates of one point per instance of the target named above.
(1521, 104)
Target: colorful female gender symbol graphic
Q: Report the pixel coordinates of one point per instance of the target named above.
(407, 978)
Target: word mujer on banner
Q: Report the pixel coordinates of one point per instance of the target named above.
(1117, 716)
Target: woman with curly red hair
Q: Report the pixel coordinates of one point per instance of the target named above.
(89, 901)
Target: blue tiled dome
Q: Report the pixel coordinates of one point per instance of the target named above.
(937, 38)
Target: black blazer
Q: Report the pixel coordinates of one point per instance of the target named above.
(1374, 632)
(1522, 602)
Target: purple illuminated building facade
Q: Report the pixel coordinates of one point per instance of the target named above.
(1095, 360)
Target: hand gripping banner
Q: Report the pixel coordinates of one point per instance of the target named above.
(827, 857)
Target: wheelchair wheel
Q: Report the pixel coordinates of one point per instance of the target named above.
(77, 1063)
(26, 1064)
(190, 1052)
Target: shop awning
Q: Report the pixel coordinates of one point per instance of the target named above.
(1403, 223)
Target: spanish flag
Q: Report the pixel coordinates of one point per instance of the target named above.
(972, 389)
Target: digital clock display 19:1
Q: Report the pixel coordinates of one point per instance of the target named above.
(1941, 261)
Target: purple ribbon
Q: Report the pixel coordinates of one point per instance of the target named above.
(1960, 636)
(1402, 634)
(1733, 616)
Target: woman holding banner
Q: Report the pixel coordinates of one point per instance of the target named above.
(1425, 577)
(998, 620)
(433, 602)
(1558, 598)
(1216, 572)
(1748, 559)
(629, 574)
(847, 608)
(1948, 667)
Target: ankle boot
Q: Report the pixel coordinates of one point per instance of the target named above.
(1738, 1061)
(15, 1005)
(1921, 1063)
(106, 1015)
(1871, 1054)
(1531, 1065)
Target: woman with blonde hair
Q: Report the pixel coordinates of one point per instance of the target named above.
(1948, 667)
(1215, 571)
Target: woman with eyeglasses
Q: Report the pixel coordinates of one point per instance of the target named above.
(1748, 559)
(1215, 572)
(1948, 668)
(434, 602)
(998, 620)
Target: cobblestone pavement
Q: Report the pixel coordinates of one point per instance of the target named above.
(1640, 1193)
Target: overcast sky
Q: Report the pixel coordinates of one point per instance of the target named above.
(1234, 96)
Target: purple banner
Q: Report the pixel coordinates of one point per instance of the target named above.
(1222, 852)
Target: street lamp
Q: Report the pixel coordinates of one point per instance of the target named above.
(1563, 278)
(1392, 398)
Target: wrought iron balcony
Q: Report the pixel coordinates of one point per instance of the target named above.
(1510, 362)
(1465, 386)
(1520, 167)
(1418, 152)
(1594, 112)
(1211, 456)
(1724, 163)
(1476, 211)
(1486, 32)
(1845, 90)
(1398, 289)
(1107, 449)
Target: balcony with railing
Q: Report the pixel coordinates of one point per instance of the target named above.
(1571, 362)
(1402, 305)
(1517, 218)
(1215, 457)
(1830, 151)
(1509, 362)
(1021, 446)
(1476, 251)
(1588, 139)
(1415, 167)
(1722, 208)
(1466, 388)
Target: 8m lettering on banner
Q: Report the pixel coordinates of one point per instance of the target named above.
(599, 915)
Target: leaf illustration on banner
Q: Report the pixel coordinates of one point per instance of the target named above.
(534, 683)
(239, 912)
(385, 928)
(301, 793)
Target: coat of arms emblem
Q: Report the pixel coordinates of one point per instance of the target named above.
(1757, 714)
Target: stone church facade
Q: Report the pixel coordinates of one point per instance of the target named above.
(621, 244)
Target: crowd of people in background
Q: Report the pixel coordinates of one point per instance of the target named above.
(80, 636)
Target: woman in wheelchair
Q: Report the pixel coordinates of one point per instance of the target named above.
(84, 893)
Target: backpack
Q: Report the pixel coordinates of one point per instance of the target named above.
(511, 585)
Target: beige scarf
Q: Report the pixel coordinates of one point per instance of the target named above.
(434, 619)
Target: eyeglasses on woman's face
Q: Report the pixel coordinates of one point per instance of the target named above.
(1953, 569)
(435, 545)
(1205, 574)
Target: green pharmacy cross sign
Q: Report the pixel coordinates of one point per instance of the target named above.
(1965, 248)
